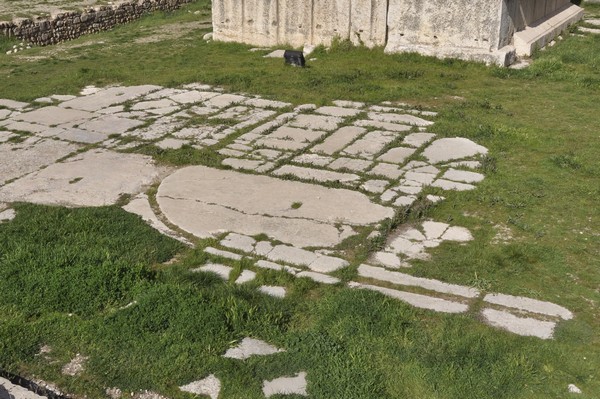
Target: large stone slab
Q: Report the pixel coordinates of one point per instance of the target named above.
(50, 116)
(94, 178)
(525, 326)
(8, 390)
(107, 97)
(205, 201)
(17, 160)
(449, 149)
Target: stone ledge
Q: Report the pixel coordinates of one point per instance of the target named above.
(542, 32)
(503, 57)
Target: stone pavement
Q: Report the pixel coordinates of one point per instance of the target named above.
(292, 184)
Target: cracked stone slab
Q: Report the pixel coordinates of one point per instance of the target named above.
(15, 105)
(104, 98)
(110, 124)
(399, 118)
(50, 116)
(93, 178)
(417, 300)
(141, 207)
(398, 278)
(337, 111)
(274, 291)
(249, 347)
(316, 122)
(19, 159)
(210, 386)
(339, 139)
(369, 145)
(216, 268)
(295, 385)
(316, 174)
(391, 127)
(296, 256)
(525, 326)
(450, 149)
(353, 164)
(206, 201)
(434, 230)
(397, 155)
(418, 139)
(529, 305)
(223, 254)
(239, 242)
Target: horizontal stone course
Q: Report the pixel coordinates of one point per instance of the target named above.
(65, 26)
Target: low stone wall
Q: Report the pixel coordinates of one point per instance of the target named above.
(62, 26)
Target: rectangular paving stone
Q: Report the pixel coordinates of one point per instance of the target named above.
(398, 278)
(339, 139)
(225, 100)
(417, 300)
(316, 122)
(262, 103)
(418, 139)
(369, 145)
(26, 127)
(399, 118)
(106, 97)
(218, 269)
(287, 145)
(193, 96)
(81, 136)
(353, 164)
(221, 253)
(348, 104)
(52, 115)
(319, 277)
(525, 326)
(16, 105)
(386, 169)
(529, 305)
(295, 134)
(327, 264)
(110, 124)
(391, 127)
(397, 155)
(337, 111)
(295, 256)
(451, 185)
(246, 164)
(315, 174)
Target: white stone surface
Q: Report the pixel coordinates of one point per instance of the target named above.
(245, 277)
(389, 126)
(529, 305)
(327, 264)
(52, 115)
(205, 201)
(296, 256)
(274, 291)
(397, 155)
(295, 385)
(141, 206)
(316, 174)
(103, 98)
(369, 145)
(408, 280)
(451, 185)
(93, 178)
(210, 386)
(525, 326)
(399, 118)
(463, 176)
(337, 111)
(418, 300)
(12, 104)
(221, 253)
(434, 230)
(239, 242)
(375, 186)
(319, 277)
(9, 390)
(7, 215)
(388, 259)
(388, 170)
(457, 233)
(216, 268)
(19, 159)
(353, 164)
(418, 139)
(316, 122)
(249, 347)
(450, 149)
(572, 388)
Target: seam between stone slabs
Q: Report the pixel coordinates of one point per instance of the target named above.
(260, 214)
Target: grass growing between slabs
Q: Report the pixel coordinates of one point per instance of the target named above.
(354, 344)
(542, 186)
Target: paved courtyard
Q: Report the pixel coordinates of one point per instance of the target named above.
(293, 183)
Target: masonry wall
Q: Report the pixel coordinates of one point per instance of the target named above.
(71, 25)
(299, 22)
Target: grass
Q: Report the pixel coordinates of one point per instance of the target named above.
(542, 182)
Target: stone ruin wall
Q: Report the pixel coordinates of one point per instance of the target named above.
(64, 26)
(477, 29)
